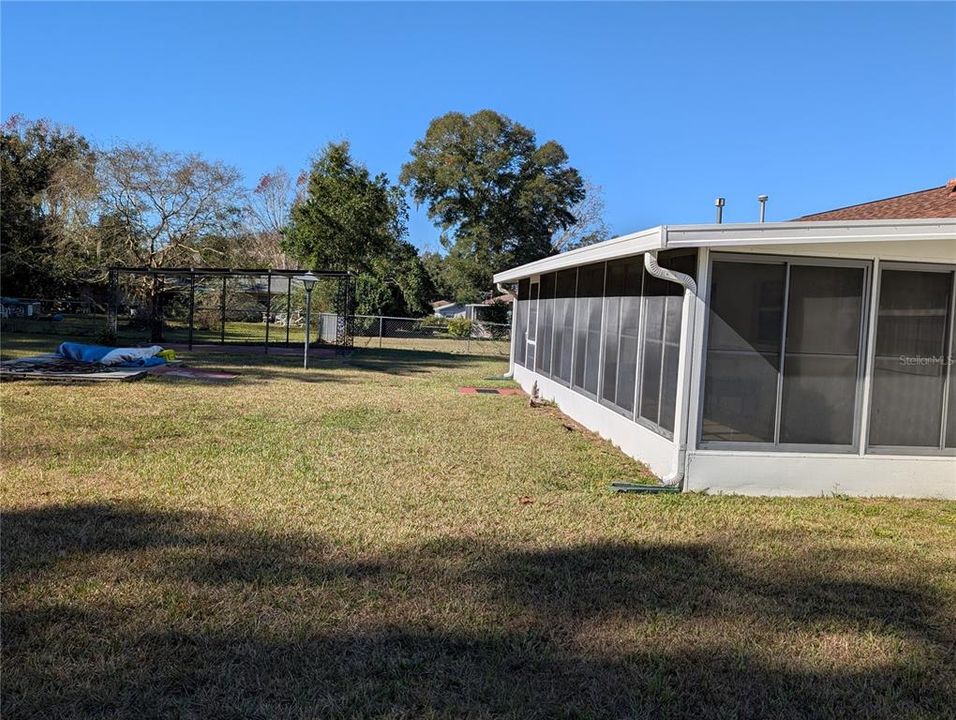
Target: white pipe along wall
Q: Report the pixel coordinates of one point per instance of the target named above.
(684, 363)
(514, 313)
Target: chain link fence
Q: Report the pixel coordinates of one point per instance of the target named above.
(224, 310)
(433, 333)
(69, 317)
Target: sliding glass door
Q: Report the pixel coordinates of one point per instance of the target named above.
(742, 363)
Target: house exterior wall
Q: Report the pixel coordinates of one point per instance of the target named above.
(641, 443)
(809, 475)
(858, 471)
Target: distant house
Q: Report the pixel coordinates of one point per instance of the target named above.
(448, 309)
(472, 311)
(807, 357)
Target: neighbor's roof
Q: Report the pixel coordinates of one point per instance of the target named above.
(938, 202)
(506, 298)
(441, 303)
(737, 235)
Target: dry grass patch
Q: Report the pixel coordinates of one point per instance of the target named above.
(350, 542)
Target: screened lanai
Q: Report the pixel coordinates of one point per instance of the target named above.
(609, 331)
(786, 353)
(797, 360)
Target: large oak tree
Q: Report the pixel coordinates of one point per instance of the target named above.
(498, 196)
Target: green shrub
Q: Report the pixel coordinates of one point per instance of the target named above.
(459, 327)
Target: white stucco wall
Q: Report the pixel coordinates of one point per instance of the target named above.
(750, 473)
(637, 441)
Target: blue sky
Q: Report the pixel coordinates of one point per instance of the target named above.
(666, 106)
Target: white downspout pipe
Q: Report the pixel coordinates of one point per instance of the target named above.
(684, 362)
(514, 316)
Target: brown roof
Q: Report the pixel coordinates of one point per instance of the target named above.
(938, 202)
(506, 298)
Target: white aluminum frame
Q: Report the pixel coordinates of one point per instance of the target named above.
(736, 235)
(863, 362)
(940, 450)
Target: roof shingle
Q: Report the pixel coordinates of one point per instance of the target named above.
(938, 202)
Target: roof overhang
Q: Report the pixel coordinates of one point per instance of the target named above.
(729, 235)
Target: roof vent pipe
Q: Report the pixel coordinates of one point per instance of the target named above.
(762, 199)
(719, 204)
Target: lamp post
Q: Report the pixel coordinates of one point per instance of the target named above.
(308, 281)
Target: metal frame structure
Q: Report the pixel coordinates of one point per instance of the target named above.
(344, 298)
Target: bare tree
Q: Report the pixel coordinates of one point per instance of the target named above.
(267, 212)
(589, 226)
(166, 206)
(167, 203)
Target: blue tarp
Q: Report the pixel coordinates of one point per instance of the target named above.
(95, 353)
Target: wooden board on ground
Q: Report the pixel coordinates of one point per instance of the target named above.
(489, 391)
(57, 368)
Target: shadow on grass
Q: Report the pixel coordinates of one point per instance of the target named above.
(115, 610)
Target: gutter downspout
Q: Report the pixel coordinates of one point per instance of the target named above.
(511, 351)
(685, 361)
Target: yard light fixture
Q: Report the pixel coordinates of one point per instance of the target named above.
(308, 281)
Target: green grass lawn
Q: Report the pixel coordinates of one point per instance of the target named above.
(359, 540)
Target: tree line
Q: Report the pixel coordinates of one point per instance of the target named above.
(498, 196)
